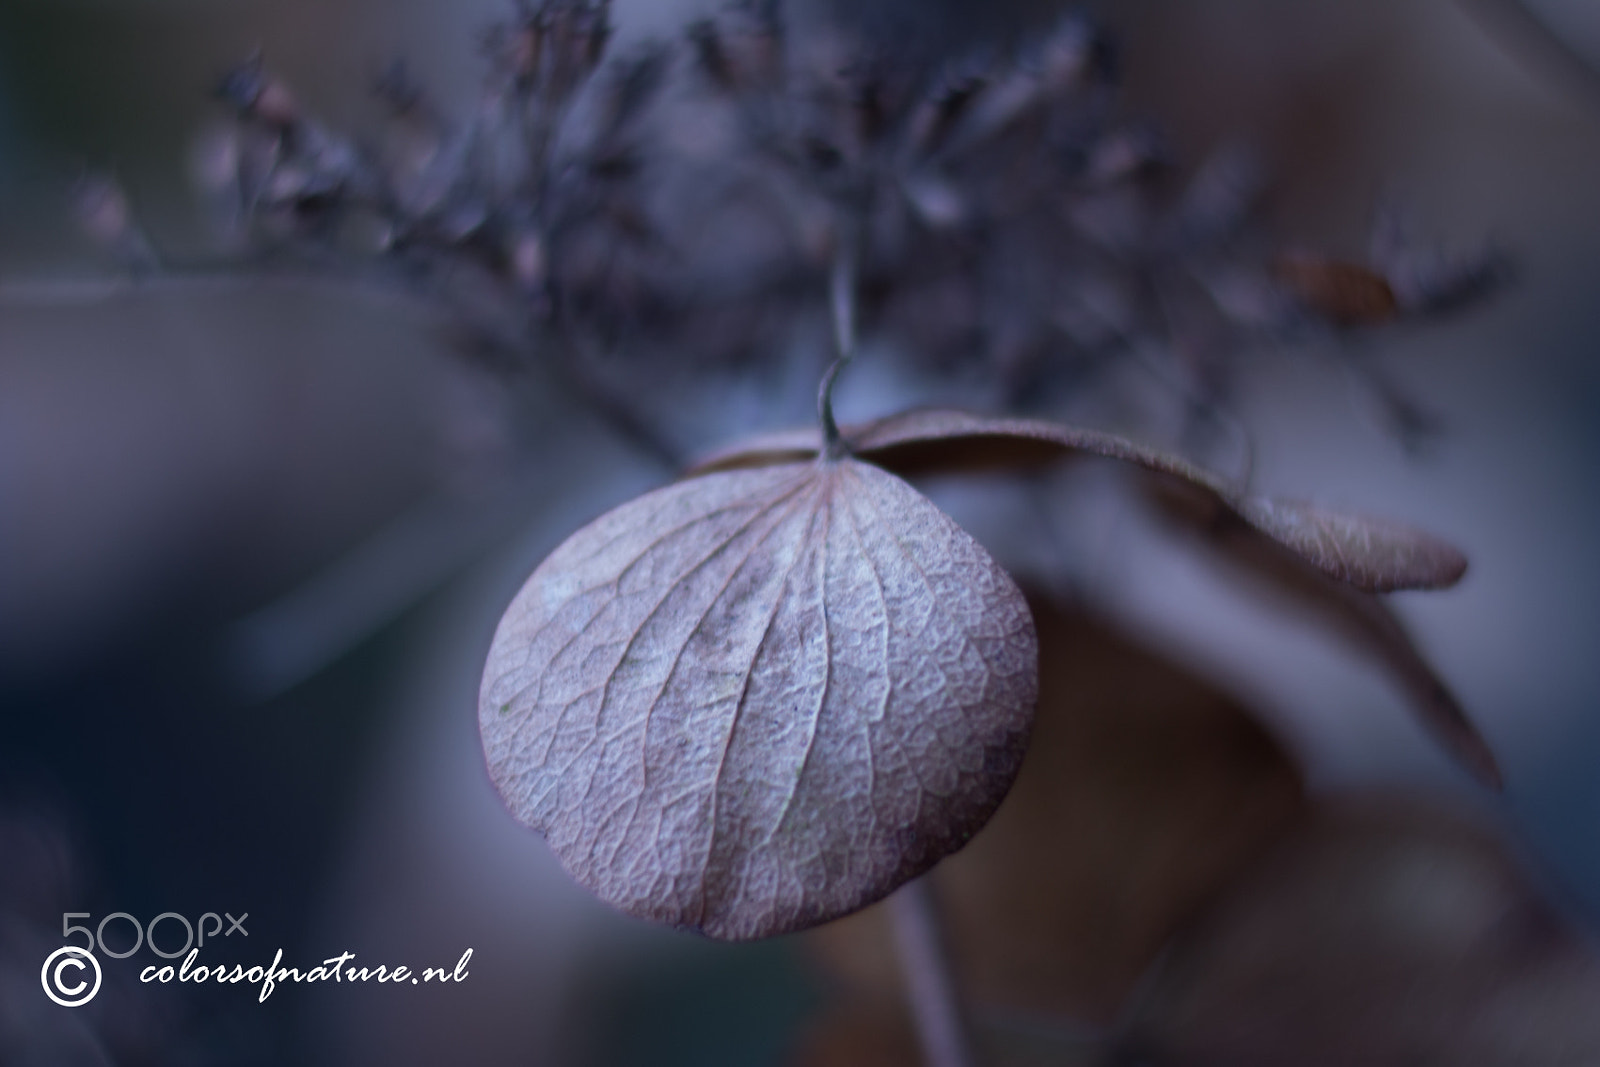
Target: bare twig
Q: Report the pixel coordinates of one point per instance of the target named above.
(323, 619)
(928, 976)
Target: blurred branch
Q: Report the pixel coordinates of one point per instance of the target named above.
(323, 619)
(1401, 414)
(1540, 47)
(193, 279)
(929, 976)
(574, 368)
(569, 368)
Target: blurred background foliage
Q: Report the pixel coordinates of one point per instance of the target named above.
(254, 537)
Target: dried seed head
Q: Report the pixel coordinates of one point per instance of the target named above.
(257, 94)
(527, 259)
(398, 88)
(1126, 155)
(1072, 54)
(550, 47)
(102, 208)
(741, 48)
(878, 91)
(215, 159)
(944, 105)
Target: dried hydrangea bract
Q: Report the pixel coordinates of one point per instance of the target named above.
(757, 700)
(1332, 560)
(1377, 555)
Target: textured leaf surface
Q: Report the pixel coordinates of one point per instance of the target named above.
(757, 700)
(1376, 555)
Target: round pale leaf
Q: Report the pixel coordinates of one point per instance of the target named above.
(757, 700)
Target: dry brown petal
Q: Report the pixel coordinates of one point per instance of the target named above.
(1346, 294)
(1334, 560)
(1145, 790)
(1382, 932)
(1376, 555)
(758, 700)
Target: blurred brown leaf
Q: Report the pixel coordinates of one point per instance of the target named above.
(1382, 932)
(1144, 790)
(758, 700)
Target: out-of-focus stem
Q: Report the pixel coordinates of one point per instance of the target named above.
(842, 297)
(573, 368)
(928, 975)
